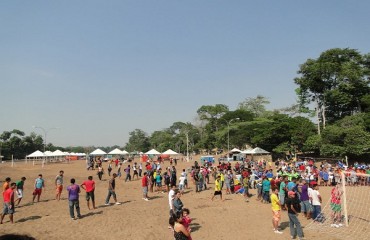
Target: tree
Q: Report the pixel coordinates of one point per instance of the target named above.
(256, 105)
(335, 82)
(138, 141)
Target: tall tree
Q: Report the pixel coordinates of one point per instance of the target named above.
(335, 82)
(255, 105)
(138, 141)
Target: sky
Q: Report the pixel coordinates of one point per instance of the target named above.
(97, 70)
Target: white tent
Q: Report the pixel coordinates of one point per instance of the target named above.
(153, 152)
(235, 150)
(124, 152)
(247, 151)
(58, 153)
(98, 152)
(48, 153)
(116, 152)
(170, 152)
(36, 154)
(258, 150)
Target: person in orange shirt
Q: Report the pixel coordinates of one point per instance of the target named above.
(6, 184)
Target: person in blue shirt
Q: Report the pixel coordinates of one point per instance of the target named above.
(266, 185)
(325, 177)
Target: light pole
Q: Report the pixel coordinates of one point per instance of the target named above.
(228, 134)
(45, 133)
(187, 145)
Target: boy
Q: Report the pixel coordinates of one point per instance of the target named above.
(316, 201)
(19, 185)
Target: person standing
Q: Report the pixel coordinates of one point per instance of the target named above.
(59, 185)
(305, 200)
(73, 199)
(266, 186)
(8, 196)
(89, 187)
(217, 188)
(128, 173)
(140, 169)
(20, 185)
(144, 185)
(111, 190)
(134, 168)
(100, 171)
(177, 203)
(110, 167)
(293, 206)
(39, 184)
(276, 210)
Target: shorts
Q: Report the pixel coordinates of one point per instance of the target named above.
(59, 188)
(145, 190)
(306, 206)
(276, 215)
(159, 184)
(7, 209)
(228, 186)
(90, 195)
(282, 198)
(335, 207)
(37, 191)
(217, 193)
(181, 186)
(19, 193)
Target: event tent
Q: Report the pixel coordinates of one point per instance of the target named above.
(98, 152)
(153, 152)
(170, 152)
(235, 150)
(258, 150)
(36, 154)
(116, 152)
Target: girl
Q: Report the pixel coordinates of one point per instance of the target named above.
(186, 220)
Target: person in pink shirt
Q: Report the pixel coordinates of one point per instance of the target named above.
(89, 187)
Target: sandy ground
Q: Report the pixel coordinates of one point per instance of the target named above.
(135, 218)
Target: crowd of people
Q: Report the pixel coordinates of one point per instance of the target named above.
(293, 187)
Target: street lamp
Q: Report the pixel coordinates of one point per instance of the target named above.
(45, 133)
(228, 134)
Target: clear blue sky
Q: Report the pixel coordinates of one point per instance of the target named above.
(100, 69)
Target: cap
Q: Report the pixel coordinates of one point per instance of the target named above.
(291, 193)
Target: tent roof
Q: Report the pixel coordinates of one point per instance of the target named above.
(116, 152)
(153, 152)
(258, 150)
(58, 153)
(98, 152)
(170, 152)
(37, 154)
(247, 151)
(235, 150)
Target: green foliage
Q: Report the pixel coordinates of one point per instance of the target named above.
(256, 105)
(138, 141)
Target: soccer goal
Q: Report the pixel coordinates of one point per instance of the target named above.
(346, 215)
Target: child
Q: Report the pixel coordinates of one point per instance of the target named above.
(186, 220)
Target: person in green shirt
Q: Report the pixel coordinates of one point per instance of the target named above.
(282, 191)
(19, 191)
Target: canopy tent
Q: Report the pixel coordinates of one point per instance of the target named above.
(48, 153)
(235, 150)
(170, 152)
(124, 152)
(153, 152)
(258, 150)
(36, 154)
(58, 153)
(116, 152)
(98, 152)
(247, 151)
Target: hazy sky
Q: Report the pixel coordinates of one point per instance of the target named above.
(100, 69)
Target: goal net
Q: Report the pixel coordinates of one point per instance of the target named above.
(346, 215)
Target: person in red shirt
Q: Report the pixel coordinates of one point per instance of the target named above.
(89, 187)
(144, 184)
(8, 196)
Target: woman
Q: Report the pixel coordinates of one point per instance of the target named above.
(179, 231)
(177, 203)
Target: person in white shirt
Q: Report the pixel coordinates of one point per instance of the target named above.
(315, 199)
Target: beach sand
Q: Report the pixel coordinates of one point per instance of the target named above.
(135, 218)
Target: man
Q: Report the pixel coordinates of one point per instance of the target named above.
(6, 184)
(246, 188)
(59, 185)
(293, 206)
(128, 173)
(276, 208)
(8, 196)
(305, 200)
(89, 187)
(217, 188)
(73, 198)
(144, 185)
(111, 190)
(19, 190)
(39, 184)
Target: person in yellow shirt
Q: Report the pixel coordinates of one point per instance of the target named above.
(276, 208)
(218, 190)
